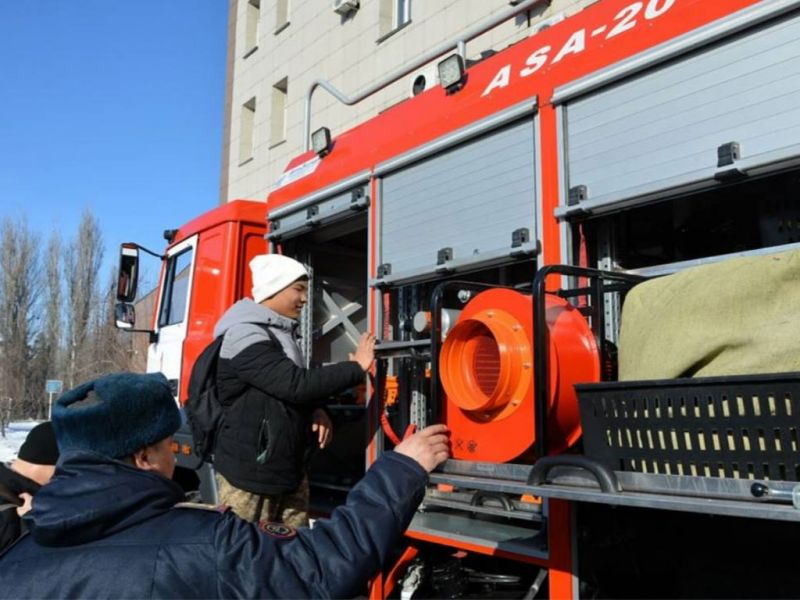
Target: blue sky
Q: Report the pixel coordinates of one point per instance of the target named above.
(112, 106)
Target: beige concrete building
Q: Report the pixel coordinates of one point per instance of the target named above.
(277, 48)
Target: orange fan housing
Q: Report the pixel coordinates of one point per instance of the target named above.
(486, 366)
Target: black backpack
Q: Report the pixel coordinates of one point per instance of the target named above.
(203, 408)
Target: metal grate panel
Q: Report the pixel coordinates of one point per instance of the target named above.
(743, 427)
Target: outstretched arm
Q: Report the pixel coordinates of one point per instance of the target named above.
(338, 556)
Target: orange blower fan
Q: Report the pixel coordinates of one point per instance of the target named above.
(486, 367)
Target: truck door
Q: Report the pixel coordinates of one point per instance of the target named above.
(173, 312)
(329, 234)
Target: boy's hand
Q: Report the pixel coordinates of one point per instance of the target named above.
(321, 423)
(365, 352)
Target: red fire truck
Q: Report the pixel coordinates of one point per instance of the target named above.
(488, 230)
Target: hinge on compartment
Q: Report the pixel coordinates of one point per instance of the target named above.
(728, 153)
(311, 212)
(577, 194)
(520, 236)
(358, 200)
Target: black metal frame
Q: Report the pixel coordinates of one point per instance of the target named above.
(596, 289)
(600, 283)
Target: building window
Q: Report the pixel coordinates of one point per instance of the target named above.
(252, 16)
(402, 13)
(246, 139)
(392, 16)
(281, 15)
(277, 129)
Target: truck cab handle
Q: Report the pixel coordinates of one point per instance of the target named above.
(605, 477)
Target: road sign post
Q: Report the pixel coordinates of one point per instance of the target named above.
(53, 387)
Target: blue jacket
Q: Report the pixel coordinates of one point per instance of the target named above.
(102, 528)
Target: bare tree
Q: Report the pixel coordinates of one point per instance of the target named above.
(47, 345)
(56, 322)
(112, 347)
(20, 281)
(82, 260)
(38, 372)
(54, 310)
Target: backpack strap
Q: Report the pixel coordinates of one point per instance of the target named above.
(263, 326)
(267, 328)
(269, 331)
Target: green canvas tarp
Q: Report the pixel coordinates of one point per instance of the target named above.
(735, 317)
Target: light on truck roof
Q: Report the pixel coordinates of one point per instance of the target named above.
(451, 73)
(321, 141)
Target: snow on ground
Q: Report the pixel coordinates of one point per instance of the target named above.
(15, 435)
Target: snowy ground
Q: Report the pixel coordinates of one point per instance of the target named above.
(15, 435)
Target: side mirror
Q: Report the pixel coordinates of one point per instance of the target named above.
(125, 315)
(128, 274)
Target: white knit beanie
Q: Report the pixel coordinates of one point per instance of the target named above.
(272, 273)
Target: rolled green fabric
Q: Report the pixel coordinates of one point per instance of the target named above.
(736, 317)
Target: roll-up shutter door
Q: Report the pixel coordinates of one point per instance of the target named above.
(469, 199)
(672, 126)
(286, 222)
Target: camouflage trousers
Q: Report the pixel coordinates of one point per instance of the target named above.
(290, 509)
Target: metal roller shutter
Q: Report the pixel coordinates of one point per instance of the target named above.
(469, 198)
(662, 130)
(292, 223)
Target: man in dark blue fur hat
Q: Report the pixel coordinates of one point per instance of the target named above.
(110, 522)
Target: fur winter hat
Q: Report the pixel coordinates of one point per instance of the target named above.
(272, 273)
(116, 415)
(39, 447)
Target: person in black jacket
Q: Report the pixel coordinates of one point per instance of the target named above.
(32, 468)
(110, 523)
(273, 413)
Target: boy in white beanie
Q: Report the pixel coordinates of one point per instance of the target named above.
(273, 404)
